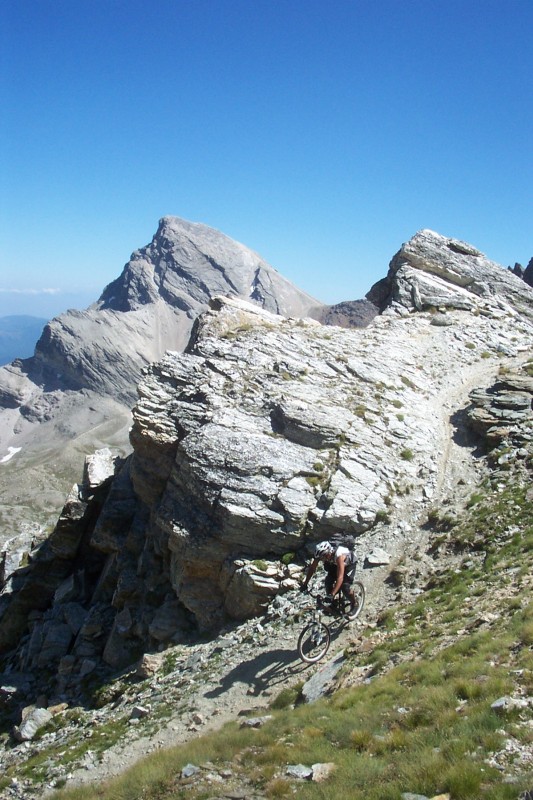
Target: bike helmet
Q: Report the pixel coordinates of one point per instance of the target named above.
(323, 549)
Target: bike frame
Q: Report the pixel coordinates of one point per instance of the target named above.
(335, 609)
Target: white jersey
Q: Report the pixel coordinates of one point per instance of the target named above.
(349, 556)
(341, 551)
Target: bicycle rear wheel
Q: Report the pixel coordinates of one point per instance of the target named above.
(313, 642)
(359, 594)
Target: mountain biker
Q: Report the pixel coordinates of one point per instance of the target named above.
(339, 563)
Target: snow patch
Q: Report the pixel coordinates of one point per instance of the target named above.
(11, 451)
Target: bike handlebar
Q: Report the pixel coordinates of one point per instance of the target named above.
(324, 599)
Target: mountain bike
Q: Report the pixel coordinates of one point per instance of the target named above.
(315, 638)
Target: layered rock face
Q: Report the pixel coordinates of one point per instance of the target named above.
(83, 376)
(262, 438)
(284, 432)
(433, 271)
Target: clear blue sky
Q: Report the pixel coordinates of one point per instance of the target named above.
(320, 133)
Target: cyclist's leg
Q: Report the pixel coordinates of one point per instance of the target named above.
(347, 587)
(349, 576)
(330, 579)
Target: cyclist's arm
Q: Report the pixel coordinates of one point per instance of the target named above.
(310, 571)
(340, 575)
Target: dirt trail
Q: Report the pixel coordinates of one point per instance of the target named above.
(458, 465)
(246, 685)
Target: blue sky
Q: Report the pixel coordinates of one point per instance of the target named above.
(320, 133)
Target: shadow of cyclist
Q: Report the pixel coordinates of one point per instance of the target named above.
(262, 672)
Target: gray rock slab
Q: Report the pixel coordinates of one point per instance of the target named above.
(321, 682)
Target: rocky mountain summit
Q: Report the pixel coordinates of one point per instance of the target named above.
(75, 394)
(149, 309)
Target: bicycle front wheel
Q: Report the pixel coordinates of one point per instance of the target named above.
(313, 642)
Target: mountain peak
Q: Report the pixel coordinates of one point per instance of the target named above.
(149, 309)
(188, 263)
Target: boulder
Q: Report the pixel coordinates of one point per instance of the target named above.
(249, 589)
(35, 719)
(99, 468)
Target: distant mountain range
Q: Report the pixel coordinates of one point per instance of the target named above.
(18, 336)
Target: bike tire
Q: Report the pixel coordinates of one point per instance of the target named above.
(360, 595)
(313, 642)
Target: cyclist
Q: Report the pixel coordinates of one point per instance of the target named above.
(339, 563)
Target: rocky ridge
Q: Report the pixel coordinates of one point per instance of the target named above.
(202, 685)
(264, 436)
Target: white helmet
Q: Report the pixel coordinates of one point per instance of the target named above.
(324, 549)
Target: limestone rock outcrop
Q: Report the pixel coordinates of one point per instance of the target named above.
(504, 411)
(284, 432)
(434, 271)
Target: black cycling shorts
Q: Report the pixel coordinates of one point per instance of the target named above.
(331, 577)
